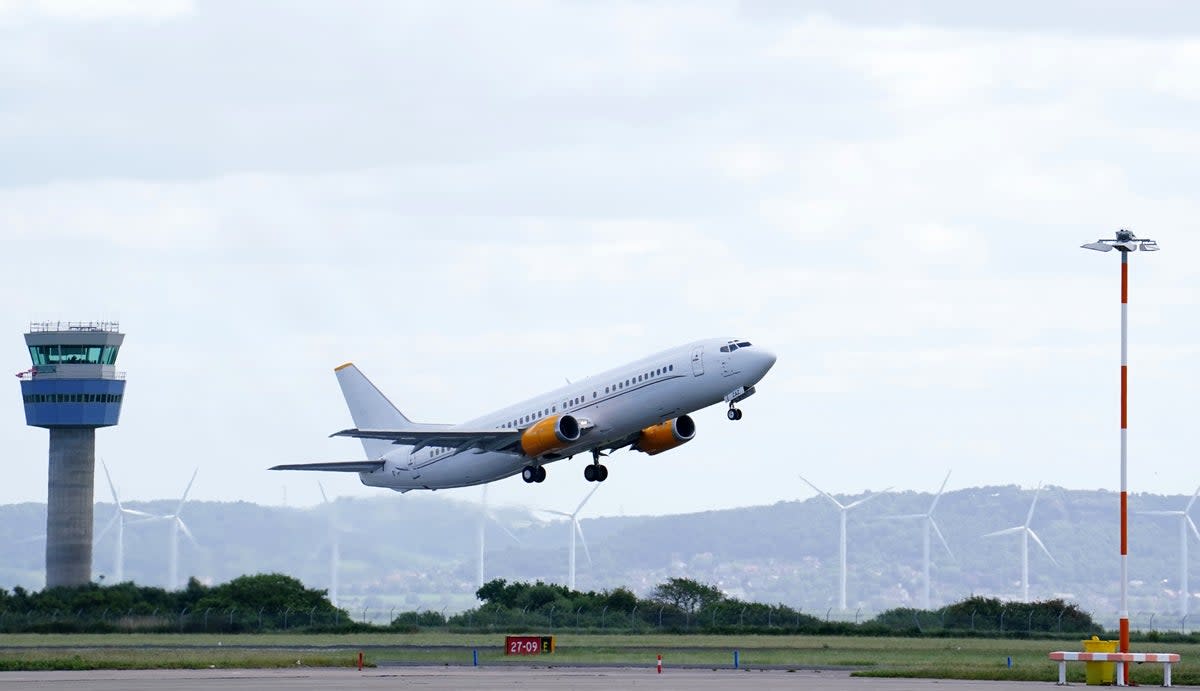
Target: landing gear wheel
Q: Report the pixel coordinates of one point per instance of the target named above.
(734, 414)
(540, 475)
(595, 473)
(529, 473)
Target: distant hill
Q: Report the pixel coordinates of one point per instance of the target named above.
(421, 550)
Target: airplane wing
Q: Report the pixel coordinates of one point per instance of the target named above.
(455, 437)
(350, 467)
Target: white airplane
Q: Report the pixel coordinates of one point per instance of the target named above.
(643, 405)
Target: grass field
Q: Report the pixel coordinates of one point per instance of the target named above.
(944, 658)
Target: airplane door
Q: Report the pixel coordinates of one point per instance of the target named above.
(697, 361)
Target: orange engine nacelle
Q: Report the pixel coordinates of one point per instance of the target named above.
(549, 435)
(666, 435)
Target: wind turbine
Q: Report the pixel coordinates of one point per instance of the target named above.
(177, 524)
(843, 509)
(335, 553)
(484, 514)
(930, 524)
(1026, 533)
(118, 520)
(574, 527)
(1185, 522)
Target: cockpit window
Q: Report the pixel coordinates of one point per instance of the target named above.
(743, 344)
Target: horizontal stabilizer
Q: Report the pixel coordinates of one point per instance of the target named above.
(350, 467)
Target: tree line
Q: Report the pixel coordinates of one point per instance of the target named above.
(686, 605)
(247, 603)
(275, 602)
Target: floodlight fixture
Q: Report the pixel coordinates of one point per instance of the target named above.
(1125, 241)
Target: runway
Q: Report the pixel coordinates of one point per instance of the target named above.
(449, 678)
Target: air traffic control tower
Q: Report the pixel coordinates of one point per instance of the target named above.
(72, 388)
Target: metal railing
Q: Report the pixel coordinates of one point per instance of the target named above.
(74, 370)
(41, 327)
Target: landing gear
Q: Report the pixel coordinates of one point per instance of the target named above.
(533, 473)
(734, 397)
(595, 472)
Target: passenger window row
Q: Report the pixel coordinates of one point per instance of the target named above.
(639, 378)
(579, 400)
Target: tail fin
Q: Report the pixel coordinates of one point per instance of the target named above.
(370, 409)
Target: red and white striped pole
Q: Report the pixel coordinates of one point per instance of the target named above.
(660, 663)
(1126, 242)
(1124, 611)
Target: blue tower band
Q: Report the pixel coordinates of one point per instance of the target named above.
(72, 388)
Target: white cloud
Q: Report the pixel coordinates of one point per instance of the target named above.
(86, 11)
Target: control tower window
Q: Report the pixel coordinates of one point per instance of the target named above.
(73, 354)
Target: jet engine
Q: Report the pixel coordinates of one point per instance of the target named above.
(550, 434)
(665, 435)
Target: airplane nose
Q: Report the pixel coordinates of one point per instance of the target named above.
(765, 360)
(768, 359)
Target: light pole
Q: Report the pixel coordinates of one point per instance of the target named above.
(1125, 242)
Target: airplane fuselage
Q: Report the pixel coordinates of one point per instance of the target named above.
(613, 408)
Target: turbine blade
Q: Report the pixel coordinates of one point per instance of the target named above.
(1006, 531)
(111, 487)
(1033, 505)
(1193, 527)
(1038, 540)
(1192, 501)
(866, 499)
(823, 493)
(184, 528)
(135, 512)
(107, 527)
(579, 529)
(492, 517)
(556, 513)
(185, 492)
(933, 524)
(1159, 513)
(511, 534)
(585, 499)
(324, 499)
(939, 493)
(904, 517)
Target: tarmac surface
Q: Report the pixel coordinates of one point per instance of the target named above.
(524, 678)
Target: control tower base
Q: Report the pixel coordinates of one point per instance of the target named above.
(69, 506)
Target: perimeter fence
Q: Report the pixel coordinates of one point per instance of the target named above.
(1012, 622)
(208, 620)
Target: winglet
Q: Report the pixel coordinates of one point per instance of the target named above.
(339, 368)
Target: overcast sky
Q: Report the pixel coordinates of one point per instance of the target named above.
(472, 201)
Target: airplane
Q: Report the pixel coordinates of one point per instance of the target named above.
(643, 405)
